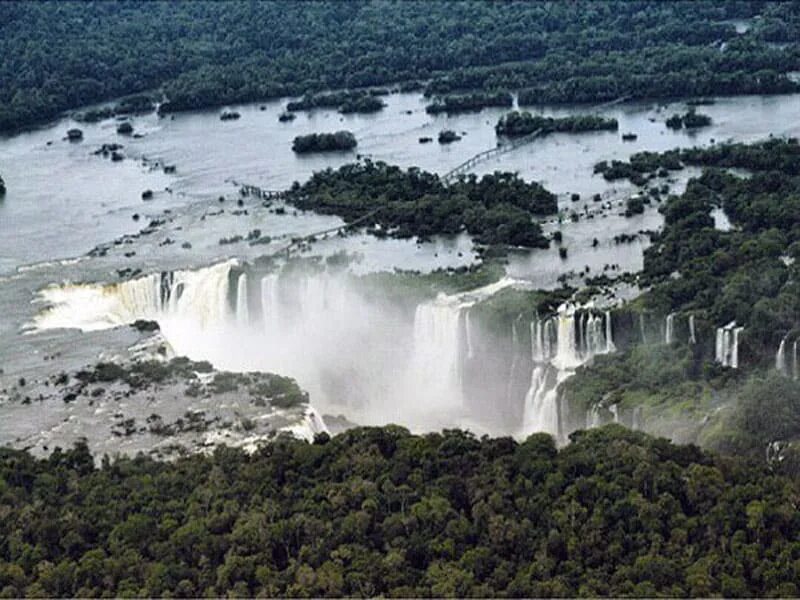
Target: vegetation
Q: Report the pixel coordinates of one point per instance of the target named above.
(448, 136)
(555, 52)
(345, 102)
(496, 209)
(324, 142)
(383, 512)
(691, 120)
(470, 102)
(516, 124)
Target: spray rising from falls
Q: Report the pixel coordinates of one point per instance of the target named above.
(559, 345)
(358, 354)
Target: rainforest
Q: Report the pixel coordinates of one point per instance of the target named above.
(261, 335)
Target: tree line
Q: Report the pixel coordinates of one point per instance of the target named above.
(378, 511)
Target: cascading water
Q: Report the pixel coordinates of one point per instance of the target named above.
(642, 329)
(692, 335)
(242, 305)
(794, 360)
(468, 332)
(727, 345)
(201, 295)
(270, 304)
(780, 357)
(558, 346)
(669, 331)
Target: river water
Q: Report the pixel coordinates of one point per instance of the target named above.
(62, 200)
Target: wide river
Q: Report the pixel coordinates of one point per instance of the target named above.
(62, 200)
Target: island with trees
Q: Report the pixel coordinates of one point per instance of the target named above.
(517, 124)
(324, 142)
(497, 209)
(452, 104)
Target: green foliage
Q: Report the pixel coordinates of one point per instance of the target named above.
(213, 54)
(515, 124)
(496, 209)
(378, 511)
(469, 102)
(324, 142)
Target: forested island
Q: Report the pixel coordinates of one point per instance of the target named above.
(324, 142)
(517, 124)
(469, 102)
(2, 187)
(345, 101)
(547, 51)
(495, 209)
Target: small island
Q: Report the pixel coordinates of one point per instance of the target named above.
(345, 101)
(518, 124)
(229, 115)
(2, 187)
(74, 135)
(452, 104)
(448, 137)
(286, 117)
(690, 120)
(324, 142)
(125, 128)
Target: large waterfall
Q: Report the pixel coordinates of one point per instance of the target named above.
(200, 295)
(727, 345)
(355, 351)
(559, 345)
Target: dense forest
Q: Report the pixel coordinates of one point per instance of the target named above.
(495, 209)
(56, 56)
(380, 511)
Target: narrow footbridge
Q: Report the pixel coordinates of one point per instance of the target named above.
(467, 165)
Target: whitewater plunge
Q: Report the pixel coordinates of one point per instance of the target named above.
(360, 354)
(559, 345)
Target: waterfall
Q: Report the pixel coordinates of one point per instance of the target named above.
(514, 359)
(610, 347)
(200, 295)
(727, 345)
(641, 328)
(435, 365)
(735, 347)
(559, 345)
(669, 333)
(468, 334)
(270, 304)
(780, 357)
(242, 307)
(692, 336)
(794, 360)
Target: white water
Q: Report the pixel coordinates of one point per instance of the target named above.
(669, 333)
(692, 335)
(356, 355)
(727, 345)
(242, 306)
(559, 345)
